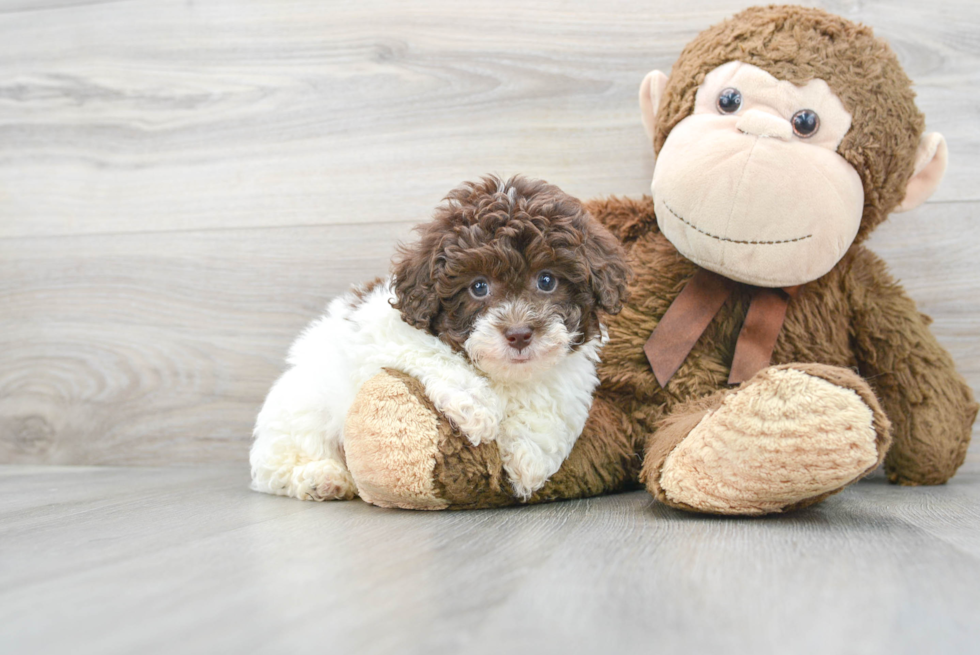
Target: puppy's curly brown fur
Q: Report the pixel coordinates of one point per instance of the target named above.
(508, 232)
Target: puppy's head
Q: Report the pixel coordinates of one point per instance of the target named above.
(513, 273)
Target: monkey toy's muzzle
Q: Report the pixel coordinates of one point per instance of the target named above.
(742, 199)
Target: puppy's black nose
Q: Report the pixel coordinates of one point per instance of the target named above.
(518, 336)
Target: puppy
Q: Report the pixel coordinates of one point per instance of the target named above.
(495, 310)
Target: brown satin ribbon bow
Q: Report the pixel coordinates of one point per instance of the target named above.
(692, 311)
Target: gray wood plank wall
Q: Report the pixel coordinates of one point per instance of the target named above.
(183, 185)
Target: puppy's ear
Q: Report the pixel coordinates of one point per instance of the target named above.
(414, 269)
(608, 271)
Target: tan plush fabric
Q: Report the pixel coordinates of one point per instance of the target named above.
(393, 455)
(931, 160)
(787, 436)
(741, 196)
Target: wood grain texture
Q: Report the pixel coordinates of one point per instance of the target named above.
(129, 349)
(184, 185)
(145, 115)
(187, 560)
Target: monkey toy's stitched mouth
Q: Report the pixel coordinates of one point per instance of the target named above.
(715, 236)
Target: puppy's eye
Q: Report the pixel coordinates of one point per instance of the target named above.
(547, 282)
(479, 288)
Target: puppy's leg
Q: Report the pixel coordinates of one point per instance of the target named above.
(537, 437)
(297, 449)
(452, 383)
(470, 404)
(528, 458)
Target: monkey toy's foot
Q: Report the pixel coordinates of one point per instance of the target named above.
(787, 438)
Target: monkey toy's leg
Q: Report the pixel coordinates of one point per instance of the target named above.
(930, 405)
(403, 453)
(786, 438)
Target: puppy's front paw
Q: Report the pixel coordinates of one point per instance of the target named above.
(528, 468)
(477, 415)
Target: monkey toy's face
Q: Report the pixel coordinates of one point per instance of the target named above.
(750, 185)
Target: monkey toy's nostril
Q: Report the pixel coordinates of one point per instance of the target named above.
(518, 336)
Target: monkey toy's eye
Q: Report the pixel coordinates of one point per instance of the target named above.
(547, 282)
(805, 123)
(479, 288)
(729, 101)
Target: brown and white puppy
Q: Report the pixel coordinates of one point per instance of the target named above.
(515, 274)
(496, 310)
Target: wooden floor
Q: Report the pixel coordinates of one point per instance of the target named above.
(184, 185)
(149, 560)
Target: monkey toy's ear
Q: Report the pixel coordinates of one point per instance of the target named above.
(930, 166)
(651, 91)
(414, 285)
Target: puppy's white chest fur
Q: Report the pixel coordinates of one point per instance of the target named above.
(535, 421)
(543, 417)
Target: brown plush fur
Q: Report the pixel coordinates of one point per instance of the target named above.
(855, 317)
(603, 461)
(396, 445)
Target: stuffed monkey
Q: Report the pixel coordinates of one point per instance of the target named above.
(766, 359)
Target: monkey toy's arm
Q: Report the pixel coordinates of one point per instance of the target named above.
(930, 405)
